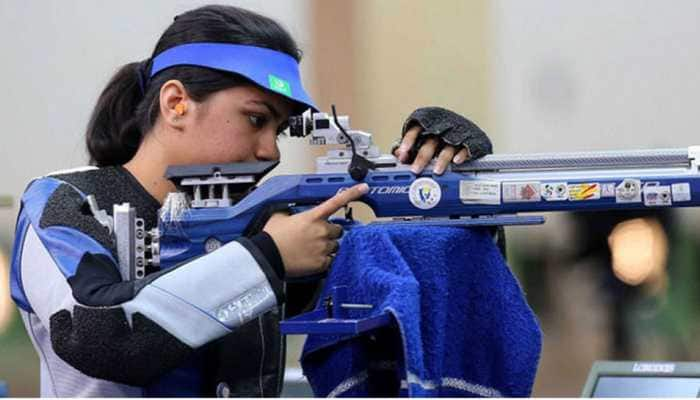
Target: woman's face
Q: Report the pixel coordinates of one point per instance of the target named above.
(233, 125)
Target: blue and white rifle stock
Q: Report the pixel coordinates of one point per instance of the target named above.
(495, 190)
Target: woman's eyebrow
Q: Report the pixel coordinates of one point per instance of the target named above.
(273, 110)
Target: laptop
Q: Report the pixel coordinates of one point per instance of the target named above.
(643, 379)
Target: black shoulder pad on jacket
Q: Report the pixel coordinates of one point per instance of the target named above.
(100, 343)
(64, 208)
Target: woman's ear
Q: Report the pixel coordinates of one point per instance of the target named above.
(174, 104)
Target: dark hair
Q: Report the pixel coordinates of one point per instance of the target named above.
(128, 107)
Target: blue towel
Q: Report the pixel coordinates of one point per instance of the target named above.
(462, 326)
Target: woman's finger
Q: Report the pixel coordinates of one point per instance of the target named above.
(334, 231)
(327, 263)
(462, 156)
(425, 154)
(444, 159)
(407, 143)
(332, 247)
(335, 203)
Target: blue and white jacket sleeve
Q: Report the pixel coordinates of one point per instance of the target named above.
(64, 271)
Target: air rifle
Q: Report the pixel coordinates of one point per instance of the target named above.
(217, 203)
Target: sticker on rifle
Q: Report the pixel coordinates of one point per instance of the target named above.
(629, 191)
(557, 191)
(608, 189)
(514, 192)
(657, 196)
(480, 192)
(681, 192)
(584, 191)
(424, 193)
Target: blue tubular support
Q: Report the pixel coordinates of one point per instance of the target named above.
(333, 318)
(317, 322)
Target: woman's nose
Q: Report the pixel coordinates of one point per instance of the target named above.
(267, 149)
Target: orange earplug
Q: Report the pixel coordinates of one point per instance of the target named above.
(180, 109)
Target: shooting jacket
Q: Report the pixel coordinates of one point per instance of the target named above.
(203, 328)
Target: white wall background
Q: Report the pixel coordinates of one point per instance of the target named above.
(58, 55)
(598, 74)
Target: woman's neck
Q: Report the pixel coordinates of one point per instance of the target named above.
(148, 167)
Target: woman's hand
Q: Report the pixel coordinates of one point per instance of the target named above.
(434, 131)
(306, 241)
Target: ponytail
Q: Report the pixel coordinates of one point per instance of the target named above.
(113, 133)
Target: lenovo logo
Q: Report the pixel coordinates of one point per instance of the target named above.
(657, 368)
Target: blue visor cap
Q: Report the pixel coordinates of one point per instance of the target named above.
(270, 69)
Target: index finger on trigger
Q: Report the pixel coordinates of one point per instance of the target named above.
(335, 203)
(407, 142)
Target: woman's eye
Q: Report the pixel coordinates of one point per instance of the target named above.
(257, 121)
(282, 129)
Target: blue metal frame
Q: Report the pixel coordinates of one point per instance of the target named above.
(184, 239)
(333, 319)
(317, 322)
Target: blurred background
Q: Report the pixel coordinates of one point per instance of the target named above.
(541, 75)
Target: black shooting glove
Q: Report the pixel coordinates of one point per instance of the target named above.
(451, 128)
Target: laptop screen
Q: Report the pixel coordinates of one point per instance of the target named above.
(643, 379)
(646, 386)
